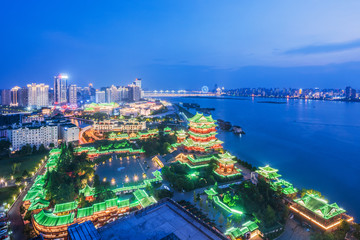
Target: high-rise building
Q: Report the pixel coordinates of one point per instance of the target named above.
(137, 82)
(73, 95)
(108, 95)
(5, 97)
(100, 97)
(18, 97)
(14, 96)
(113, 94)
(134, 93)
(38, 95)
(60, 89)
(123, 93)
(23, 97)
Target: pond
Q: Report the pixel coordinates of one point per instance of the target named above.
(128, 170)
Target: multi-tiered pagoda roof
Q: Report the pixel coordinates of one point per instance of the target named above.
(202, 134)
(226, 159)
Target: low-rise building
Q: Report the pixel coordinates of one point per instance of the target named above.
(35, 134)
(69, 133)
(129, 126)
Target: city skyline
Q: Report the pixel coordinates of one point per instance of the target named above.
(302, 44)
(240, 118)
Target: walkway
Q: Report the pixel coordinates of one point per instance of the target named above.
(294, 231)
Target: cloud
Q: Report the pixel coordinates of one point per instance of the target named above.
(325, 48)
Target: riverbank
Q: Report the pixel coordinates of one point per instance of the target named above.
(301, 138)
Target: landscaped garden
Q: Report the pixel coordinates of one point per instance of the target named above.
(7, 195)
(16, 166)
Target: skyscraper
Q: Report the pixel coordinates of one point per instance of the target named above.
(60, 89)
(38, 95)
(73, 95)
(23, 97)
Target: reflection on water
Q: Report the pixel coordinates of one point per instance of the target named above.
(126, 170)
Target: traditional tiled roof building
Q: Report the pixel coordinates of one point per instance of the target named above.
(319, 212)
(202, 133)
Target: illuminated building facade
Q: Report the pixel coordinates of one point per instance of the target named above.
(181, 136)
(60, 89)
(38, 95)
(14, 93)
(202, 133)
(34, 134)
(100, 96)
(226, 165)
(73, 95)
(318, 212)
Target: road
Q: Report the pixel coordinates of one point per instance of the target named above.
(81, 137)
(17, 224)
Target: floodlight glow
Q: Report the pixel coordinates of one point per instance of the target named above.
(63, 76)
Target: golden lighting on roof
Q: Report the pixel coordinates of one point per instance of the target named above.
(316, 222)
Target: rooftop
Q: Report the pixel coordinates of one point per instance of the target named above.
(268, 172)
(319, 206)
(159, 221)
(83, 231)
(200, 118)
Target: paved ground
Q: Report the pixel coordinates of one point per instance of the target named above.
(294, 231)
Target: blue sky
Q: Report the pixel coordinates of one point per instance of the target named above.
(182, 44)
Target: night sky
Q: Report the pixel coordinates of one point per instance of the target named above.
(182, 44)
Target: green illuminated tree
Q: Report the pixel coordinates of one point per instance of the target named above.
(227, 198)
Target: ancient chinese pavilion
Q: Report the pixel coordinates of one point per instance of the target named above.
(319, 212)
(181, 136)
(226, 165)
(202, 133)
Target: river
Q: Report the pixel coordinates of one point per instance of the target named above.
(314, 144)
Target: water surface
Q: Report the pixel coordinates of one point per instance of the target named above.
(314, 144)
